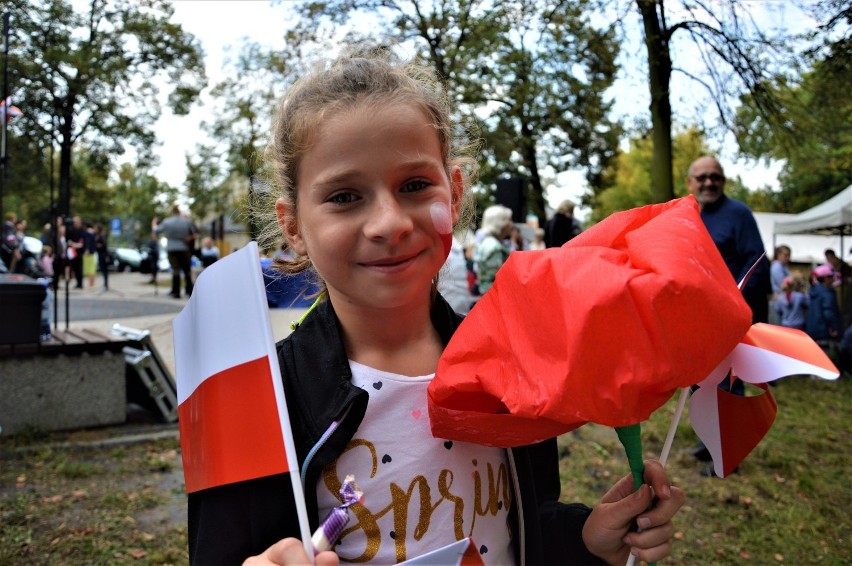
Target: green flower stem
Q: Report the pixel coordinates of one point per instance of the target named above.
(631, 438)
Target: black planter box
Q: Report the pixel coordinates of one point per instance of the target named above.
(20, 309)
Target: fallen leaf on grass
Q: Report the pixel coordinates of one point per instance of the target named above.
(779, 479)
(779, 557)
(147, 536)
(679, 536)
(52, 499)
(745, 555)
(20, 481)
(138, 553)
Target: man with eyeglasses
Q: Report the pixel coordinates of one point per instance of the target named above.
(734, 230)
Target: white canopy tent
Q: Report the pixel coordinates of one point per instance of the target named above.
(808, 249)
(830, 218)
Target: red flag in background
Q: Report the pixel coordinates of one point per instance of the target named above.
(8, 111)
(232, 413)
(603, 329)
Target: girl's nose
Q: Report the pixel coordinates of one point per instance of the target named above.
(388, 220)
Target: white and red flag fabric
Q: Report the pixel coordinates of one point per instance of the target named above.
(460, 553)
(8, 111)
(732, 425)
(232, 413)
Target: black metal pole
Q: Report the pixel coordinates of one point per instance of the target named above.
(5, 108)
(58, 255)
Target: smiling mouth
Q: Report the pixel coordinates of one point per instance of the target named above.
(390, 263)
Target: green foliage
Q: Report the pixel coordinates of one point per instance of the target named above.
(630, 176)
(137, 197)
(533, 75)
(221, 173)
(812, 134)
(729, 54)
(87, 78)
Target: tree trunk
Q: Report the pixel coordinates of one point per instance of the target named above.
(659, 78)
(65, 146)
(535, 198)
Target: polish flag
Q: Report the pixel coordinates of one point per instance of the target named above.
(732, 425)
(232, 413)
(460, 553)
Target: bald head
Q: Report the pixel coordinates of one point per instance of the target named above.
(706, 180)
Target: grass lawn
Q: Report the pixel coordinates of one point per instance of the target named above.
(788, 505)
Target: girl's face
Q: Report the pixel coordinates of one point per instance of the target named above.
(375, 205)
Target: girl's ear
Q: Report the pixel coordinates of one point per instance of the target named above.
(456, 192)
(290, 226)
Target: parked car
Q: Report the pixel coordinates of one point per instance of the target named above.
(125, 259)
(33, 245)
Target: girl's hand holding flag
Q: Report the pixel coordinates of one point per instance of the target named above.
(290, 552)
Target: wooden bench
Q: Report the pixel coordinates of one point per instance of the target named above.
(72, 342)
(80, 378)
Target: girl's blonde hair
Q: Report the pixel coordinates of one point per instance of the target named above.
(792, 282)
(374, 80)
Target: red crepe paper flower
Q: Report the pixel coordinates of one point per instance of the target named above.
(603, 329)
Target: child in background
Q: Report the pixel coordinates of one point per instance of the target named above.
(823, 322)
(46, 260)
(538, 240)
(372, 183)
(153, 257)
(791, 304)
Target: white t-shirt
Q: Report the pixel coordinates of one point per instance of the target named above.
(420, 493)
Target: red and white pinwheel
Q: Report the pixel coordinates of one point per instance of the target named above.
(732, 425)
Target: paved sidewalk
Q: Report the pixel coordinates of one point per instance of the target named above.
(132, 302)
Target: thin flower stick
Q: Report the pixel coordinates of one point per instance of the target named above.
(667, 445)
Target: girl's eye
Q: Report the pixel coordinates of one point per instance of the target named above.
(342, 198)
(414, 186)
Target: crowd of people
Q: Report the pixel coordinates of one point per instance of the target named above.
(814, 301)
(472, 265)
(78, 251)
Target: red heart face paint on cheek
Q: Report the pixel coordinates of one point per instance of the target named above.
(443, 222)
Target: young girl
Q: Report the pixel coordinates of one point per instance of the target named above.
(823, 322)
(372, 185)
(46, 260)
(791, 303)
